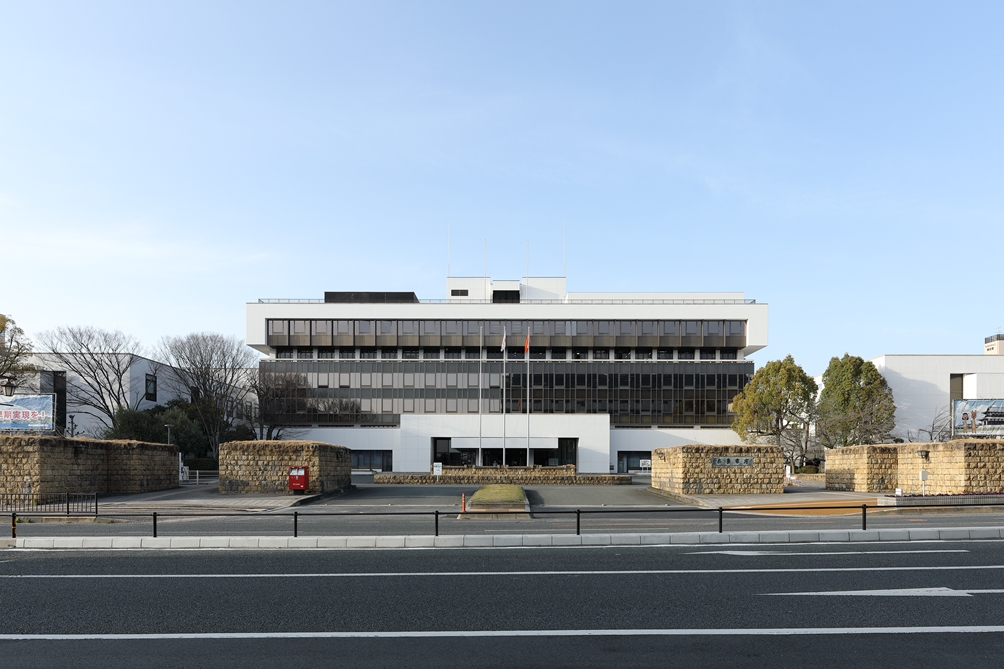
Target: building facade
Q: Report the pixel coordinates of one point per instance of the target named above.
(925, 387)
(509, 372)
(129, 380)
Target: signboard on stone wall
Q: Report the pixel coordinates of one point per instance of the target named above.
(26, 413)
(981, 418)
(741, 461)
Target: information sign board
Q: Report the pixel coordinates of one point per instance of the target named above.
(983, 418)
(741, 461)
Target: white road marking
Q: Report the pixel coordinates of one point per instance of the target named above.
(901, 592)
(755, 553)
(454, 574)
(777, 631)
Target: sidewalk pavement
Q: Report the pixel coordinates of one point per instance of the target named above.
(792, 497)
(207, 499)
(507, 540)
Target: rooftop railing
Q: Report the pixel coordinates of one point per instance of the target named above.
(283, 300)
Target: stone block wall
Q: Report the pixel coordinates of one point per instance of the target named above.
(945, 467)
(689, 470)
(42, 464)
(984, 461)
(560, 475)
(863, 468)
(953, 468)
(263, 466)
(135, 466)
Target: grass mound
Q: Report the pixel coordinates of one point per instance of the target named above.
(498, 494)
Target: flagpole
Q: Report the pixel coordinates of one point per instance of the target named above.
(481, 355)
(503, 392)
(526, 352)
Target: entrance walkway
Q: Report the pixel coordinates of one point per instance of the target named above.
(194, 498)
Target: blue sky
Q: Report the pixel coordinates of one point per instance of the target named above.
(161, 165)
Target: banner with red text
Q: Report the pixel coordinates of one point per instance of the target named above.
(26, 412)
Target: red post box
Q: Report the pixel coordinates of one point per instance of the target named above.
(299, 479)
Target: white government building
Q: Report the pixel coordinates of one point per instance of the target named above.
(925, 387)
(604, 379)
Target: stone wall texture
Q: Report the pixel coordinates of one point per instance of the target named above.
(688, 470)
(263, 466)
(562, 475)
(953, 468)
(871, 468)
(40, 464)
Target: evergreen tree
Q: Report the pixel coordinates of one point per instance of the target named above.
(856, 404)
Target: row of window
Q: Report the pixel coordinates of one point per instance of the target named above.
(324, 392)
(515, 353)
(557, 375)
(324, 396)
(701, 409)
(600, 402)
(496, 328)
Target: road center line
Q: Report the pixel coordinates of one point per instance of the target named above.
(896, 592)
(453, 574)
(778, 631)
(758, 553)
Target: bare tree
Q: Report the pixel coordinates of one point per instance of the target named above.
(939, 429)
(98, 364)
(797, 442)
(214, 369)
(277, 396)
(15, 352)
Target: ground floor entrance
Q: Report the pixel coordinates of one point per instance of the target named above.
(444, 453)
(566, 453)
(380, 461)
(629, 461)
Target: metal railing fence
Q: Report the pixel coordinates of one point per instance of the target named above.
(63, 503)
(202, 477)
(570, 300)
(434, 515)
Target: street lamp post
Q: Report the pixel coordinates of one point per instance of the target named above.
(8, 385)
(169, 426)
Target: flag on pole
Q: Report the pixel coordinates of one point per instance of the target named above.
(526, 344)
(503, 340)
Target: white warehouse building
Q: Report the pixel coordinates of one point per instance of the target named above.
(597, 380)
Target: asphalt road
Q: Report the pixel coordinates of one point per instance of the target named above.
(909, 604)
